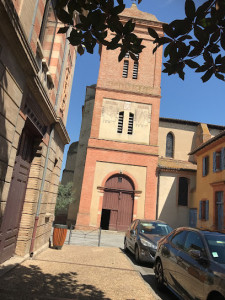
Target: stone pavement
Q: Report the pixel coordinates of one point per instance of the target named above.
(75, 272)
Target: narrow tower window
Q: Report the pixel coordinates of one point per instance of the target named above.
(135, 70)
(169, 145)
(130, 124)
(125, 68)
(120, 122)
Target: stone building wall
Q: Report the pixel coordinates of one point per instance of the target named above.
(35, 87)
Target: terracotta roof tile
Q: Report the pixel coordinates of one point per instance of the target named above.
(172, 164)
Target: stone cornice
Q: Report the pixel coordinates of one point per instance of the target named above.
(62, 131)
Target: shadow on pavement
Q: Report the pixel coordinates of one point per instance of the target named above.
(31, 283)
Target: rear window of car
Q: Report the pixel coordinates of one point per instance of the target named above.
(216, 244)
(155, 228)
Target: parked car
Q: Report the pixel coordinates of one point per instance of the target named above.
(191, 262)
(142, 236)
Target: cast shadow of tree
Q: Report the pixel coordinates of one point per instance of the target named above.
(31, 283)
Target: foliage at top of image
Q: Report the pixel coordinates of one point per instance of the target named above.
(197, 41)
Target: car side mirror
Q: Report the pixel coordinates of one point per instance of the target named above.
(132, 232)
(196, 254)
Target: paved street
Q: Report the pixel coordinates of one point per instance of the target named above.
(147, 274)
(116, 239)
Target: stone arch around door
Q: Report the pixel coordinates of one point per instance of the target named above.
(118, 202)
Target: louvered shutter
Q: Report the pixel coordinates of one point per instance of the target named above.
(204, 166)
(222, 159)
(120, 122)
(125, 68)
(200, 210)
(130, 124)
(206, 210)
(214, 162)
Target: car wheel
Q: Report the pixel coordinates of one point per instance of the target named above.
(137, 257)
(159, 278)
(125, 245)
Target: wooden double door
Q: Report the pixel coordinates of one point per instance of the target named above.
(9, 226)
(118, 202)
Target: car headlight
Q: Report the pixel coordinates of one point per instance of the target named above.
(148, 244)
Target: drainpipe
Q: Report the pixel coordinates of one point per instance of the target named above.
(157, 199)
(33, 20)
(48, 151)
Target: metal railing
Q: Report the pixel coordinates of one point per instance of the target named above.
(85, 234)
(95, 237)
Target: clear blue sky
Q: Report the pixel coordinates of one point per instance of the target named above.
(187, 100)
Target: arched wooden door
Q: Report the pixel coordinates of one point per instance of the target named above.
(118, 202)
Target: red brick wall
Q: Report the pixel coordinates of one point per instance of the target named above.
(145, 89)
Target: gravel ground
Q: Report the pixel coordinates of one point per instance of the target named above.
(75, 272)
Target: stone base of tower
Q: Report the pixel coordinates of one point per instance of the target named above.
(100, 167)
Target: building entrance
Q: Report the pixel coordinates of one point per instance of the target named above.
(118, 202)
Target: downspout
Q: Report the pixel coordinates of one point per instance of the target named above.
(48, 151)
(33, 20)
(157, 199)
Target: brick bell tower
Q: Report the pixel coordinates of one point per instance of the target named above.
(119, 180)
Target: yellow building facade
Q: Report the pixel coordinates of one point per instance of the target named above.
(210, 186)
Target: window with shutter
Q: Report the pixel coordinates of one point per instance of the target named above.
(183, 191)
(204, 210)
(222, 159)
(120, 122)
(135, 70)
(130, 123)
(125, 68)
(169, 145)
(205, 166)
(218, 158)
(200, 210)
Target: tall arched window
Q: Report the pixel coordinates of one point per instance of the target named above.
(169, 145)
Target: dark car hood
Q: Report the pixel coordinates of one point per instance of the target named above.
(154, 238)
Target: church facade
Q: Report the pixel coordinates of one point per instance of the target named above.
(129, 163)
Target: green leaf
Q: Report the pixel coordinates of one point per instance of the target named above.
(222, 40)
(118, 9)
(202, 10)
(163, 40)
(168, 29)
(213, 48)
(80, 49)
(122, 54)
(64, 17)
(63, 29)
(202, 68)
(192, 64)
(215, 36)
(196, 51)
(201, 35)
(219, 76)
(190, 9)
(181, 27)
(153, 33)
(207, 75)
(129, 27)
(218, 59)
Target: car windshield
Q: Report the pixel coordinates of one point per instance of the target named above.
(216, 245)
(155, 228)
